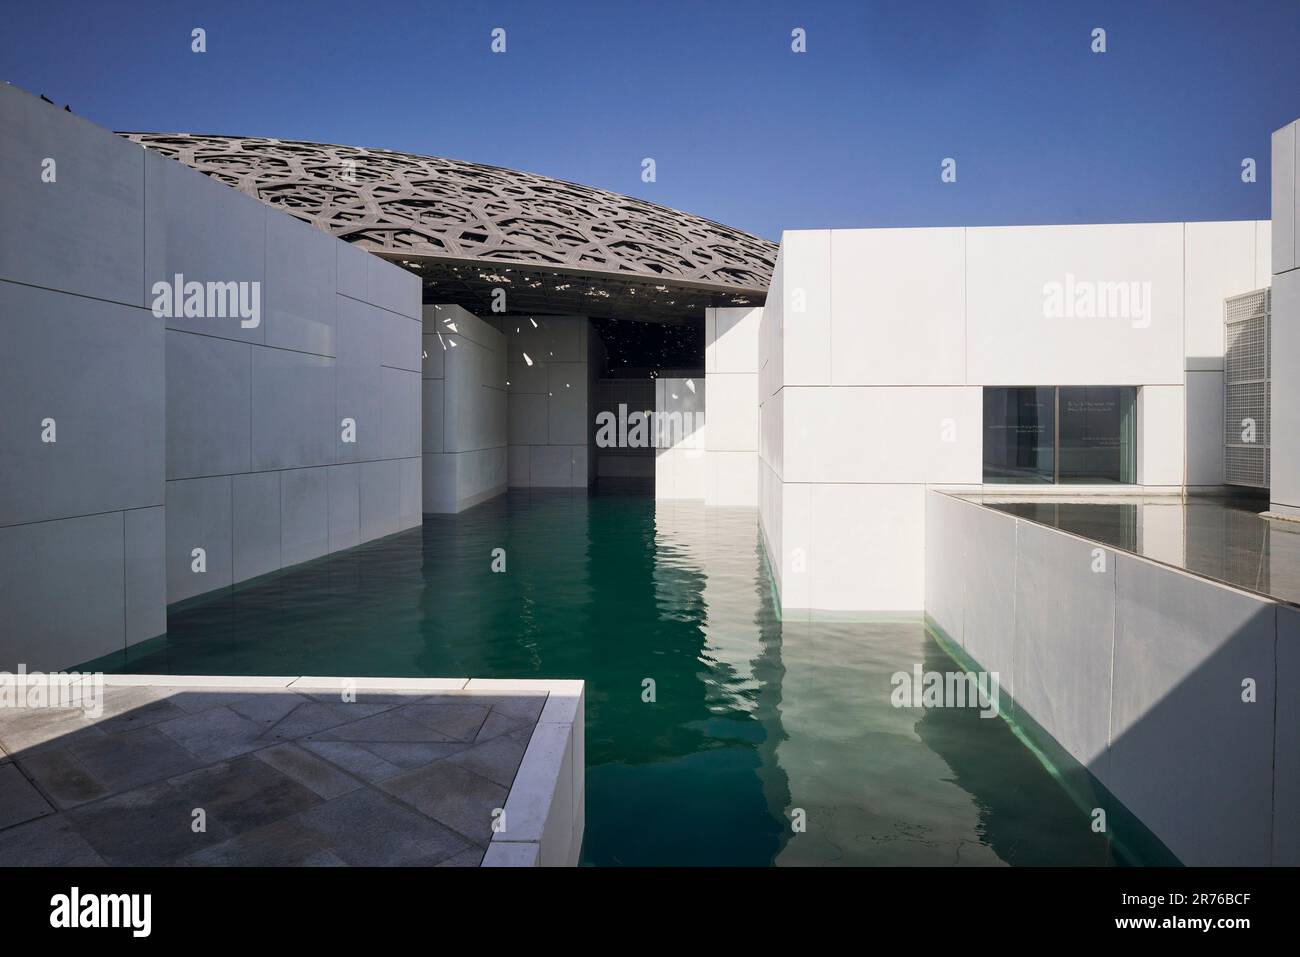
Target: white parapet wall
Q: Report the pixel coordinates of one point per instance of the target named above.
(1137, 670)
(875, 347)
(546, 812)
(464, 410)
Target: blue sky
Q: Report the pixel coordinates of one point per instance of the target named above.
(851, 133)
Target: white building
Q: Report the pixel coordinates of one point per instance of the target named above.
(1030, 357)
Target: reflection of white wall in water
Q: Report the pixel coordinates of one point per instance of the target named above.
(701, 549)
(1162, 531)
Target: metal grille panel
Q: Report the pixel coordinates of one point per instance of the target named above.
(1246, 369)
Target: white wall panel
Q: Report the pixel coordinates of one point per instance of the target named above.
(731, 339)
(1161, 425)
(883, 434)
(806, 307)
(1284, 405)
(867, 550)
(1011, 338)
(733, 412)
(898, 311)
(82, 233)
(1284, 198)
(1204, 428)
(1220, 262)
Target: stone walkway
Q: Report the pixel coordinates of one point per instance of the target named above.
(213, 775)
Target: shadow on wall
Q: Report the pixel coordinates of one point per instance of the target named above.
(984, 773)
(1160, 683)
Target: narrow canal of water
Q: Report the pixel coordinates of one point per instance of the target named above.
(755, 724)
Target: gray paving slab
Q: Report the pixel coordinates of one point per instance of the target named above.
(133, 758)
(369, 829)
(244, 793)
(215, 734)
(285, 843)
(524, 706)
(389, 726)
(471, 858)
(65, 780)
(497, 724)
(277, 777)
(152, 825)
(409, 756)
(354, 758)
(50, 841)
(451, 795)
(19, 800)
(496, 759)
(456, 722)
(323, 778)
(26, 729)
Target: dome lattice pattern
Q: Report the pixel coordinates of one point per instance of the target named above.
(467, 228)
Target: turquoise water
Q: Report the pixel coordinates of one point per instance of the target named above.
(755, 722)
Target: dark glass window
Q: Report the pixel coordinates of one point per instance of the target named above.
(1020, 434)
(1095, 434)
(1070, 434)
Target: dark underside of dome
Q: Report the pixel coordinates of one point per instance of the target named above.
(469, 230)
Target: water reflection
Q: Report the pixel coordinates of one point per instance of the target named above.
(751, 721)
(1221, 538)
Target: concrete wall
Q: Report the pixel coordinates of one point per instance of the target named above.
(464, 403)
(81, 519)
(1284, 405)
(1136, 670)
(623, 463)
(261, 471)
(176, 434)
(550, 381)
(875, 346)
(731, 379)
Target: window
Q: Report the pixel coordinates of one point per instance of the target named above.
(1067, 434)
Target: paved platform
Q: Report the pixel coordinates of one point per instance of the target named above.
(294, 771)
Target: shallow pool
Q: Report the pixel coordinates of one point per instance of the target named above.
(756, 725)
